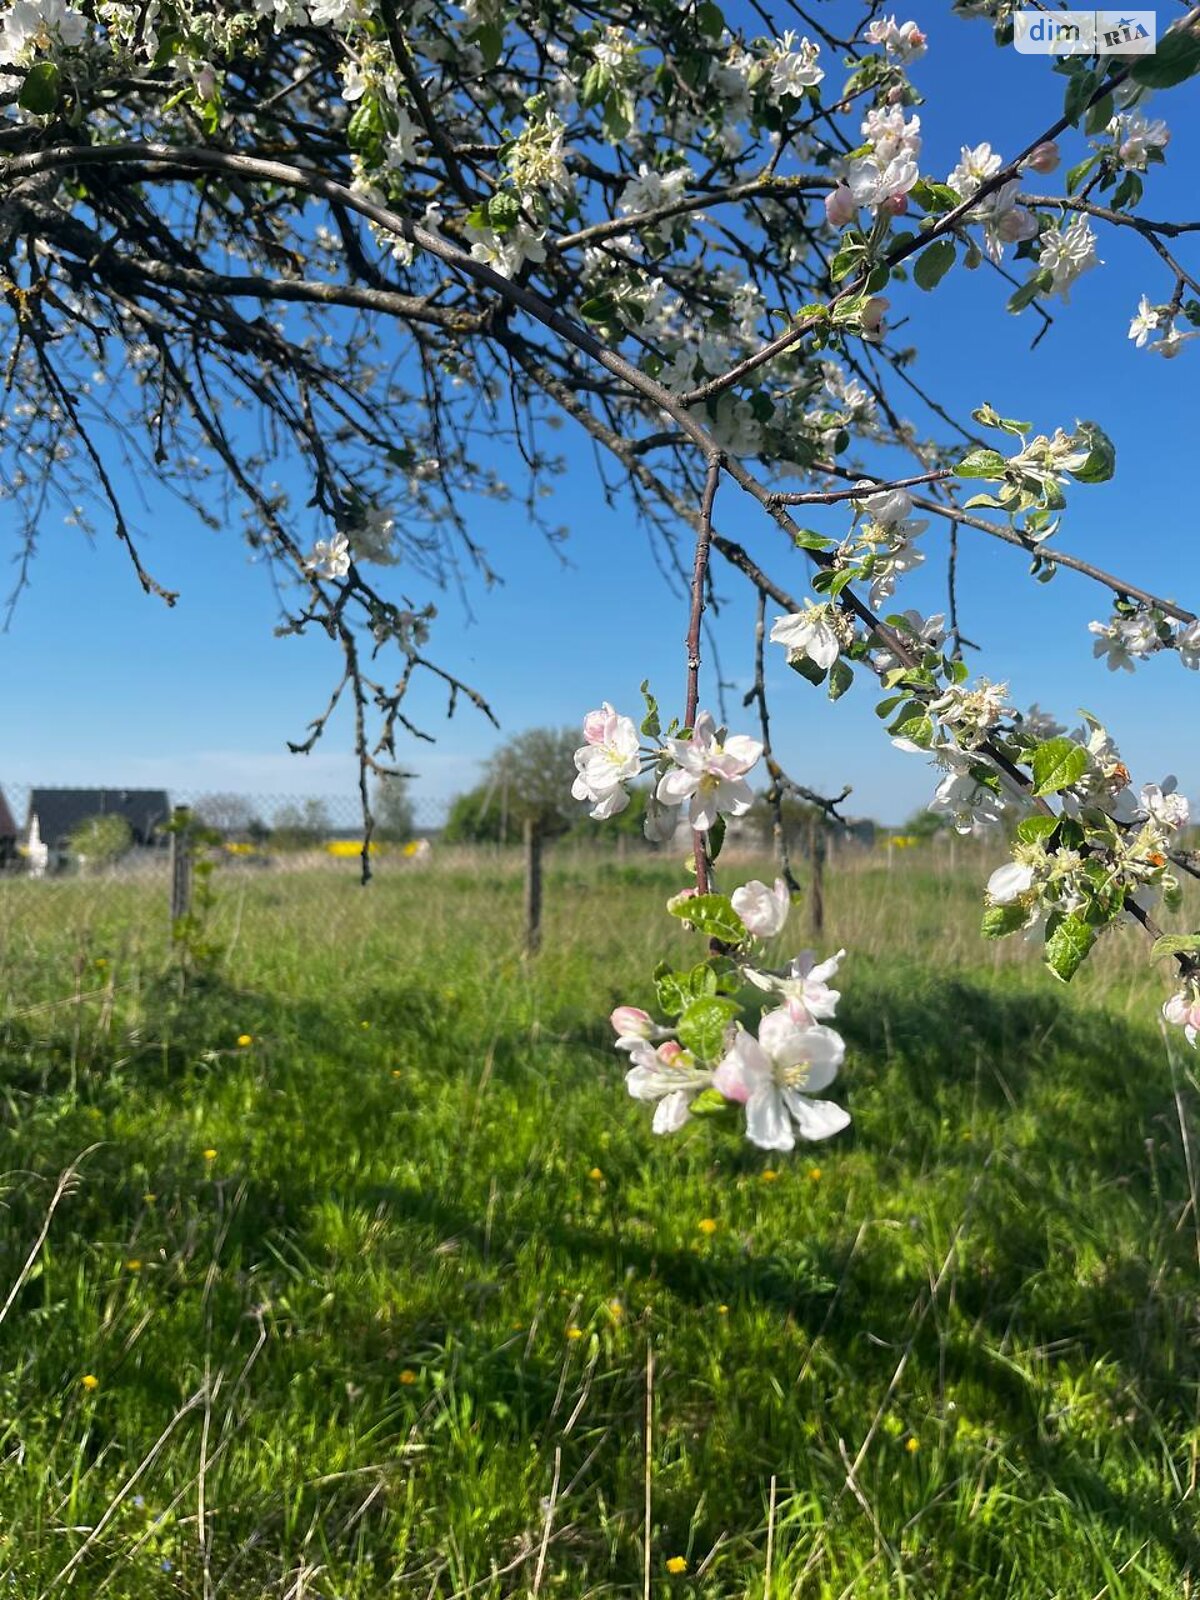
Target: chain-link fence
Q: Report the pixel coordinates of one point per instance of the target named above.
(75, 862)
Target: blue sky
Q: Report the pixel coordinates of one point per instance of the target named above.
(107, 686)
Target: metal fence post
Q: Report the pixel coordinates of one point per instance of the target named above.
(181, 863)
(533, 885)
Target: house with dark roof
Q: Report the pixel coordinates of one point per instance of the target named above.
(55, 814)
(8, 833)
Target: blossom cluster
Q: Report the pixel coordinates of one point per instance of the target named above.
(703, 770)
(774, 1073)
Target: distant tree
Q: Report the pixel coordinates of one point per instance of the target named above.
(530, 776)
(395, 819)
(924, 824)
(299, 827)
(230, 814)
(99, 841)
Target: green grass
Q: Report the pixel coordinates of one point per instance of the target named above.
(417, 1285)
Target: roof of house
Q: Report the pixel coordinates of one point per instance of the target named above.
(8, 828)
(60, 811)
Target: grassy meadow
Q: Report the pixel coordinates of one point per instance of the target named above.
(351, 1271)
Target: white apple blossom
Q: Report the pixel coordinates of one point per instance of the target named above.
(890, 169)
(808, 633)
(1136, 137)
(904, 42)
(606, 761)
(668, 1075)
(1124, 640)
(774, 1077)
(330, 558)
(794, 67)
(764, 910)
(1165, 804)
(710, 771)
(840, 206)
(804, 986)
(1145, 323)
(1067, 253)
(1010, 882)
(507, 252)
(30, 26)
(1182, 1010)
(1172, 342)
(1187, 642)
(975, 167)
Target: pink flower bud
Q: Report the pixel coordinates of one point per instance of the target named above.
(1044, 157)
(631, 1022)
(896, 204)
(897, 95)
(669, 1051)
(840, 207)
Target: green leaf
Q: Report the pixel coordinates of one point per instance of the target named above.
(981, 463)
(1099, 115)
(999, 921)
(716, 838)
(1102, 459)
(841, 676)
(490, 39)
(1068, 946)
(934, 197)
(711, 914)
(1175, 944)
(711, 19)
(806, 539)
(39, 93)
(702, 1026)
(651, 723)
(807, 668)
(1079, 172)
(710, 1103)
(1176, 58)
(677, 990)
(933, 263)
(1057, 764)
(503, 211)
(1024, 296)
(917, 728)
(1079, 91)
(1034, 830)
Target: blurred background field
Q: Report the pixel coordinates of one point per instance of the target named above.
(352, 1283)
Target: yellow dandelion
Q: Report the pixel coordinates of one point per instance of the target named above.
(595, 1175)
(101, 961)
(707, 1225)
(912, 1445)
(397, 1073)
(815, 1174)
(210, 1154)
(722, 1311)
(245, 1040)
(133, 1266)
(616, 1310)
(574, 1333)
(677, 1566)
(770, 1175)
(90, 1381)
(364, 1024)
(149, 1198)
(408, 1376)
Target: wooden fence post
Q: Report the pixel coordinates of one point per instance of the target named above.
(816, 864)
(181, 863)
(533, 885)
